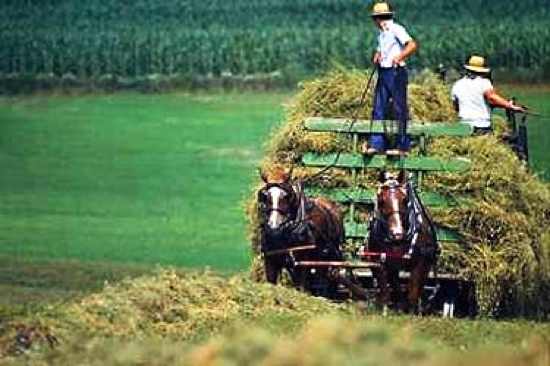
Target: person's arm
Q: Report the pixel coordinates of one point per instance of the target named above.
(495, 100)
(376, 57)
(454, 97)
(404, 38)
(455, 104)
(409, 49)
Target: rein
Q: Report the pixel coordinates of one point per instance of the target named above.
(411, 213)
(354, 118)
(413, 194)
(415, 212)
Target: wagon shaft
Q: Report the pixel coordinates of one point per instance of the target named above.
(290, 250)
(335, 264)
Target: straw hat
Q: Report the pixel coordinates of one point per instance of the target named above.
(381, 9)
(477, 64)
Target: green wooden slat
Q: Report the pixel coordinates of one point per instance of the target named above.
(344, 195)
(367, 196)
(348, 160)
(415, 128)
(447, 235)
(360, 230)
(433, 199)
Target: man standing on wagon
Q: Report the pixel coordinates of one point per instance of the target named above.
(474, 95)
(395, 45)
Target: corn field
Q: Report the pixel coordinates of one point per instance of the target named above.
(131, 38)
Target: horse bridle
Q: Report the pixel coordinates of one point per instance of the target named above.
(285, 187)
(384, 221)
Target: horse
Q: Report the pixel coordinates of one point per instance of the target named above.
(403, 234)
(290, 220)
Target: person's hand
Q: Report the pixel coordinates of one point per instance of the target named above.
(397, 61)
(517, 108)
(376, 58)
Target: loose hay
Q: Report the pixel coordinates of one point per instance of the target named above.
(324, 341)
(170, 305)
(505, 210)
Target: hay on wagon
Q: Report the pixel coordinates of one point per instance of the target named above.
(504, 212)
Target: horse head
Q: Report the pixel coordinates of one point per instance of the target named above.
(402, 227)
(277, 198)
(290, 220)
(392, 202)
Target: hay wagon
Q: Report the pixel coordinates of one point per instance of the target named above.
(447, 293)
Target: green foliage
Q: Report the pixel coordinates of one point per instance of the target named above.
(92, 39)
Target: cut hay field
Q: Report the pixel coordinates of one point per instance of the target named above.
(197, 318)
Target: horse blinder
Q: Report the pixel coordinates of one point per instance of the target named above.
(263, 199)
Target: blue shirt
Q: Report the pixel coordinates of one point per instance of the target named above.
(391, 42)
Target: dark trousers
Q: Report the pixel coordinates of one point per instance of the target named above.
(391, 88)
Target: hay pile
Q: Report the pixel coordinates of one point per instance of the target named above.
(204, 319)
(505, 210)
(324, 341)
(168, 305)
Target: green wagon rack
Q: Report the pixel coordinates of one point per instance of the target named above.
(447, 291)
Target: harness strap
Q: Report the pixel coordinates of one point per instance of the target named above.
(414, 213)
(301, 214)
(295, 226)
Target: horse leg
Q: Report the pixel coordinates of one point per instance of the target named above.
(272, 270)
(419, 273)
(384, 295)
(395, 287)
(299, 278)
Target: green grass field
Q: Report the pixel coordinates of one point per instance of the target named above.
(537, 98)
(131, 178)
(95, 187)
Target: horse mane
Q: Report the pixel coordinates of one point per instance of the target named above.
(278, 174)
(417, 206)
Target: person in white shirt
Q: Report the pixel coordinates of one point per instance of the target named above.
(474, 96)
(394, 46)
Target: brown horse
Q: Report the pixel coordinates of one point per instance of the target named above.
(403, 233)
(290, 220)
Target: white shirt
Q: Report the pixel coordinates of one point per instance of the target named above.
(391, 41)
(472, 106)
